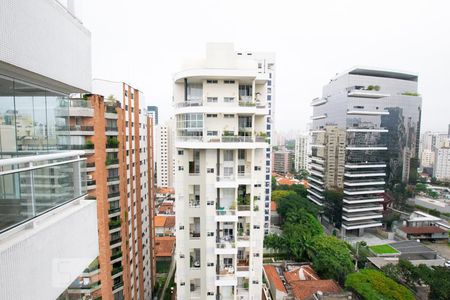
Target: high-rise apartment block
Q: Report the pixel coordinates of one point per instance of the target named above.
(153, 112)
(48, 229)
(301, 152)
(101, 126)
(365, 136)
(441, 168)
(282, 161)
(165, 160)
(124, 189)
(222, 109)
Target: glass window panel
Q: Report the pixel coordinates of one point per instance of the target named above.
(7, 118)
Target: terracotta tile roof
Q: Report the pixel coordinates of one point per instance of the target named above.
(165, 221)
(422, 230)
(273, 206)
(290, 181)
(301, 273)
(165, 208)
(303, 289)
(170, 222)
(164, 246)
(274, 278)
(162, 190)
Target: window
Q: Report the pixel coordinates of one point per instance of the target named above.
(228, 81)
(228, 171)
(210, 293)
(210, 264)
(181, 227)
(211, 81)
(241, 153)
(228, 116)
(180, 168)
(211, 99)
(211, 233)
(212, 133)
(210, 203)
(228, 155)
(211, 115)
(257, 168)
(228, 99)
(210, 170)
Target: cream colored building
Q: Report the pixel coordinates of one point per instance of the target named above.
(222, 110)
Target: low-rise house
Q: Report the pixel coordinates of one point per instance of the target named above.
(300, 282)
(422, 226)
(166, 208)
(276, 286)
(164, 250)
(164, 225)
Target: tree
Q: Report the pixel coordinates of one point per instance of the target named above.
(305, 220)
(274, 183)
(374, 285)
(438, 278)
(292, 202)
(331, 258)
(333, 207)
(278, 194)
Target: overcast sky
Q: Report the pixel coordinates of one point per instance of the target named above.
(144, 42)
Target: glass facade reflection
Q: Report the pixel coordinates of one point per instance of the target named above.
(379, 114)
(30, 118)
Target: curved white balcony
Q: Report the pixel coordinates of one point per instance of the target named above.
(315, 194)
(364, 148)
(362, 208)
(362, 216)
(315, 180)
(361, 224)
(364, 174)
(316, 173)
(367, 94)
(319, 117)
(316, 187)
(363, 191)
(364, 165)
(316, 166)
(363, 200)
(318, 202)
(367, 112)
(218, 73)
(382, 130)
(318, 101)
(364, 182)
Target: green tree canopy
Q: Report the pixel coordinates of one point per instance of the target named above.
(332, 258)
(307, 221)
(374, 285)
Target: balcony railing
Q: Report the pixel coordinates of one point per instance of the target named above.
(189, 103)
(75, 128)
(26, 182)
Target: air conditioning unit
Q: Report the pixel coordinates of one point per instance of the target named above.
(89, 177)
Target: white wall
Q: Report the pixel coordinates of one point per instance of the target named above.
(42, 37)
(40, 263)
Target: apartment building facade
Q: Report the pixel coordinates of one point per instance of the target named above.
(43, 205)
(165, 164)
(222, 115)
(301, 151)
(128, 182)
(365, 135)
(441, 168)
(282, 161)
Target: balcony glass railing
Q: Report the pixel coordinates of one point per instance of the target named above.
(33, 185)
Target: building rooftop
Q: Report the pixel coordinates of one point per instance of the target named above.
(301, 273)
(164, 246)
(405, 247)
(165, 190)
(303, 289)
(273, 276)
(165, 208)
(379, 72)
(422, 230)
(165, 221)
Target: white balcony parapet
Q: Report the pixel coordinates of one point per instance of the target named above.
(367, 130)
(314, 200)
(351, 209)
(315, 180)
(319, 117)
(316, 187)
(365, 216)
(361, 225)
(26, 177)
(363, 191)
(318, 101)
(366, 94)
(365, 174)
(367, 112)
(364, 182)
(365, 165)
(315, 194)
(364, 148)
(365, 200)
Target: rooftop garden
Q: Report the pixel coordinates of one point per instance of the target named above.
(383, 249)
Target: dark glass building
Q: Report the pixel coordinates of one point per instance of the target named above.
(365, 139)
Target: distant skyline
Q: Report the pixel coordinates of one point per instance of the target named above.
(144, 44)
